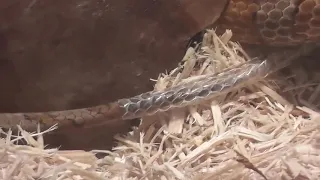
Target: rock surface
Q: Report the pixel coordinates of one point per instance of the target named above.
(65, 54)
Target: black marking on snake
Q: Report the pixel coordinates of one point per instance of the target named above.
(157, 101)
(145, 104)
(189, 97)
(217, 87)
(203, 93)
(132, 108)
(170, 97)
(178, 100)
(165, 105)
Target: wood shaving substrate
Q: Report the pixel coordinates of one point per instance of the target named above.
(251, 133)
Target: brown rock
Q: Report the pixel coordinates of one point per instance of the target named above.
(65, 54)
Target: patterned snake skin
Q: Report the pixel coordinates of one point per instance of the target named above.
(271, 22)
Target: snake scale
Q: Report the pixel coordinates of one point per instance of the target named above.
(270, 22)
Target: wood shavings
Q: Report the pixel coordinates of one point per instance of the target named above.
(196, 116)
(217, 118)
(176, 120)
(273, 94)
(252, 133)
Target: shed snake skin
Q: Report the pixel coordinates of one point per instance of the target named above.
(282, 23)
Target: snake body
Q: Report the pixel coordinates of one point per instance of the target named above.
(270, 22)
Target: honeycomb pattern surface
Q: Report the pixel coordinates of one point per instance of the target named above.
(274, 22)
